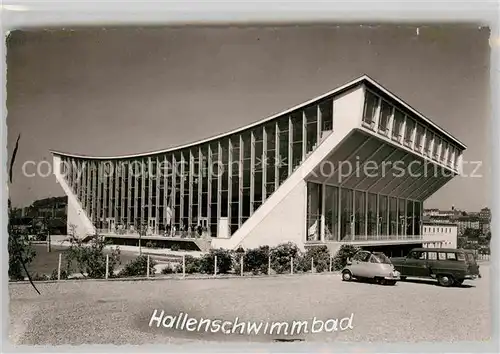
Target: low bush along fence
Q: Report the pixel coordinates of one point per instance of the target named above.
(92, 262)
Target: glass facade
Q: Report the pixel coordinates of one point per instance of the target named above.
(224, 180)
(363, 215)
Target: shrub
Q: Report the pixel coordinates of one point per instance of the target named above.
(138, 267)
(320, 256)
(150, 244)
(172, 268)
(193, 264)
(41, 237)
(175, 247)
(256, 260)
(39, 277)
(90, 260)
(281, 255)
(64, 274)
(224, 261)
(345, 252)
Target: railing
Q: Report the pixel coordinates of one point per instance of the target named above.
(171, 234)
(357, 238)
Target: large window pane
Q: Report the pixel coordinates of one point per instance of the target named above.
(359, 217)
(428, 143)
(283, 158)
(444, 149)
(385, 115)
(435, 148)
(346, 223)
(371, 103)
(419, 141)
(418, 217)
(401, 217)
(313, 211)
(410, 125)
(270, 161)
(311, 128)
(398, 124)
(372, 214)
(297, 136)
(409, 218)
(331, 213)
(383, 217)
(393, 216)
(326, 109)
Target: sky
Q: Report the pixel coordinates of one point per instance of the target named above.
(116, 91)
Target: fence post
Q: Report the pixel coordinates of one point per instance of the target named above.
(147, 270)
(312, 264)
(291, 265)
(241, 265)
(269, 265)
(215, 266)
(330, 264)
(59, 267)
(183, 265)
(107, 266)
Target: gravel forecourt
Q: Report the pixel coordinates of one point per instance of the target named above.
(118, 312)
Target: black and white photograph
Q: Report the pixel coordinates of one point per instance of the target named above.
(326, 183)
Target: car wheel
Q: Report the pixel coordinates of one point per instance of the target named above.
(346, 275)
(382, 281)
(445, 280)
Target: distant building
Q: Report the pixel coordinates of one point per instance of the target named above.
(440, 235)
(53, 210)
(485, 215)
(468, 222)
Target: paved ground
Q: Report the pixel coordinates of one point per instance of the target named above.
(119, 312)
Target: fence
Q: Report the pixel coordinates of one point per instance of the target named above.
(178, 266)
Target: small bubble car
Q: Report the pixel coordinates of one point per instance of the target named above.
(371, 266)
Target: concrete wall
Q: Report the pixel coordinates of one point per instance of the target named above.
(76, 214)
(285, 222)
(437, 233)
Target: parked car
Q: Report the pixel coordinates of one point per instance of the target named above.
(447, 265)
(367, 265)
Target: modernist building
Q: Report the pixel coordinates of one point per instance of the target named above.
(351, 166)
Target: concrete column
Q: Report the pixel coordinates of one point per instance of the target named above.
(276, 158)
(219, 184)
(130, 217)
(252, 170)
(191, 189)
(290, 142)
(240, 177)
(320, 123)
(264, 164)
(123, 187)
(304, 135)
(229, 181)
(181, 187)
(173, 190)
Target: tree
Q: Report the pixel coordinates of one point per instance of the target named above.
(19, 247)
(21, 253)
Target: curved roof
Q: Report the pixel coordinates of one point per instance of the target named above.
(360, 80)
